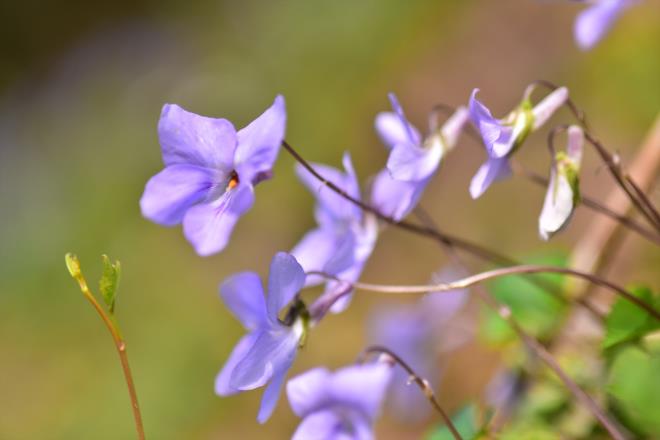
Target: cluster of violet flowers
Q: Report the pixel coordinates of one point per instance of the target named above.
(208, 182)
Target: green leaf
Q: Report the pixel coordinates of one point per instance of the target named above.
(634, 381)
(73, 265)
(109, 282)
(465, 422)
(537, 310)
(627, 321)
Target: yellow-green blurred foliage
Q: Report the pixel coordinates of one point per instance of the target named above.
(81, 92)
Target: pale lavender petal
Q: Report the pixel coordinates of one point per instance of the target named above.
(308, 391)
(395, 198)
(241, 349)
(333, 205)
(243, 295)
(208, 226)
(411, 163)
(314, 251)
(442, 306)
(392, 130)
(594, 22)
(361, 428)
(272, 392)
(259, 142)
(272, 351)
(557, 206)
(490, 172)
(285, 279)
(498, 139)
(187, 138)
(412, 134)
(170, 193)
(548, 106)
(575, 144)
(452, 129)
(343, 256)
(361, 386)
(408, 331)
(322, 425)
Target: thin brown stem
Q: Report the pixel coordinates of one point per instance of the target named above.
(641, 203)
(120, 345)
(497, 273)
(538, 349)
(542, 353)
(643, 197)
(422, 383)
(615, 171)
(591, 204)
(440, 236)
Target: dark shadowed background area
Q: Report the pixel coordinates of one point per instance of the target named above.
(81, 88)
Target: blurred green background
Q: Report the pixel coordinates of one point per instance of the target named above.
(81, 87)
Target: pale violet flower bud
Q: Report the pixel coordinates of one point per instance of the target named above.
(563, 190)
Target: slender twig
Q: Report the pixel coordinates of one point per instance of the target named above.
(550, 361)
(537, 348)
(120, 344)
(641, 203)
(497, 273)
(591, 204)
(421, 382)
(643, 197)
(615, 171)
(443, 237)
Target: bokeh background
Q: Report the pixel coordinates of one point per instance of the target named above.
(81, 87)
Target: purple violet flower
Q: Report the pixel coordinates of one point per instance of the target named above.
(268, 350)
(413, 160)
(418, 333)
(345, 237)
(502, 137)
(210, 172)
(593, 23)
(340, 405)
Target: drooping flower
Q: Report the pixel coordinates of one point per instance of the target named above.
(563, 190)
(413, 160)
(268, 350)
(340, 405)
(210, 172)
(593, 23)
(345, 237)
(502, 137)
(419, 334)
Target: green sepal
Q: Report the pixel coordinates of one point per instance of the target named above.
(109, 282)
(571, 172)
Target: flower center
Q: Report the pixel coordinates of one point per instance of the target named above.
(233, 180)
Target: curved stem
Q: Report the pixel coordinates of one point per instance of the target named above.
(468, 246)
(538, 349)
(591, 204)
(422, 383)
(497, 273)
(120, 345)
(641, 202)
(643, 205)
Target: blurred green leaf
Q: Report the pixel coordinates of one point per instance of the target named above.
(634, 381)
(465, 422)
(627, 321)
(537, 310)
(109, 282)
